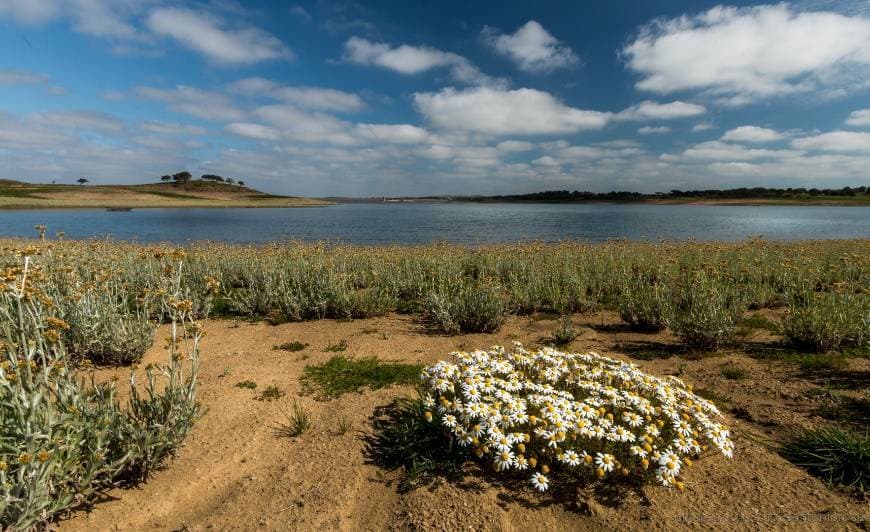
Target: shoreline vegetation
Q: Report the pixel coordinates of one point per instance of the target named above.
(190, 194)
(846, 196)
(775, 334)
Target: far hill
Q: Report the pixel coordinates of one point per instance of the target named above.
(19, 195)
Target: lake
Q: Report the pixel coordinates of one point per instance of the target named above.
(467, 223)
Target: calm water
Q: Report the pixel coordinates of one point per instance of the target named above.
(455, 222)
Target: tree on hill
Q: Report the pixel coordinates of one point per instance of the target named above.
(212, 177)
(230, 180)
(81, 181)
(166, 178)
(182, 177)
(241, 183)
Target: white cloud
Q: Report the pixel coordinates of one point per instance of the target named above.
(841, 141)
(649, 110)
(317, 98)
(102, 18)
(20, 77)
(194, 102)
(701, 127)
(514, 146)
(742, 54)
(650, 130)
(715, 150)
(30, 11)
(253, 131)
(505, 112)
(209, 36)
(532, 48)
(305, 126)
(78, 120)
(392, 133)
(171, 128)
(859, 118)
(752, 134)
(411, 60)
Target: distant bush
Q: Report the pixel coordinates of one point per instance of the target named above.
(466, 307)
(827, 321)
(642, 301)
(703, 310)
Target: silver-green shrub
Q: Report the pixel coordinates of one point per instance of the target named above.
(64, 437)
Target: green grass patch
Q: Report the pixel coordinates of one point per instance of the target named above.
(250, 385)
(734, 373)
(270, 394)
(290, 346)
(838, 456)
(757, 321)
(341, 374)
(816, 362)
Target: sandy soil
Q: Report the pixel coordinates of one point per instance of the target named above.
(235, 473)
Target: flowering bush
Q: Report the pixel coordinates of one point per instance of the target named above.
(532, 412)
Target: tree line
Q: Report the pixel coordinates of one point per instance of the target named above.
(185, 176)
(565, 196)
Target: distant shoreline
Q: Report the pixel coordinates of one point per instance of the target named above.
(15, 195)
(746, 202)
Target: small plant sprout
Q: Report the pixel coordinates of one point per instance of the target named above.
(291, 346)
(295, 422)
(340, 347)
(733, 373)
(248, 384)
(565, 333)
(270, 393)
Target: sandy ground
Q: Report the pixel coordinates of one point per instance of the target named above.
(235, 473)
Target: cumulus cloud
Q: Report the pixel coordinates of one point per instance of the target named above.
(742, 54)
(171, 128)
(532, 48)
(838, 141)
(102, 18)
(411, 60)
(20, 77)
(194, 102)
(253, 131)
(318, 98)
(210, 36)
(716, 150)
(752, 134)
(859, 118)
(650, 130)
(79, 120)
(392, 133)
(505, 112)
(514, 146)
(701, 127)
(649, 110)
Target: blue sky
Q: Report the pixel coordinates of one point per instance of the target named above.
(406, 98)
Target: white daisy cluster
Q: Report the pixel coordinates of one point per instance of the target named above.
(533, 411)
